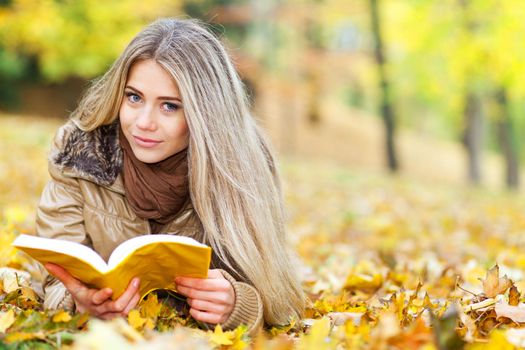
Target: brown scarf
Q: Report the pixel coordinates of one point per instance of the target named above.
(157, 191)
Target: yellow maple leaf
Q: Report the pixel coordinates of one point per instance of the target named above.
(276, 330)
(353, 333)
(135, 320)
(318, 337)
(150, 307)
(62, 316)
(493, 284)
(218, 337)
(149, 324)
(238, 341)
(16, 337)
(6, 320)
(497, 340)
(365, 277)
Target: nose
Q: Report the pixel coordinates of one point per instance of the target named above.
(146, 119)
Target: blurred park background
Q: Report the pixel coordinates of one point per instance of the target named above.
(399, 128)
(430, 89)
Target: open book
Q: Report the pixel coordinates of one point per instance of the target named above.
(155, 259)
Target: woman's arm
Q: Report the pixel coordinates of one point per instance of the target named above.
(60, 215)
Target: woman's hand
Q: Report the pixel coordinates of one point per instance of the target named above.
(97, 302)
(211, 299)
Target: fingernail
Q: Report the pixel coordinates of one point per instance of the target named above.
(136, 282)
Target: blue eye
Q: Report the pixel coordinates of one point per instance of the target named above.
(170, 107)
(133, 98)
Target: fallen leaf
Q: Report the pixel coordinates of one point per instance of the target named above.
(135, 320)
(515, 313)
(516, 336)
(150, 308)
(318, 336)
(514, 296)
(239, 340)
(497, 340)
(6, 320)
(9, 280)
(493, 284)
(364, 282)
(62, 316)
(340, 318)
(218, 337)
(16, 337)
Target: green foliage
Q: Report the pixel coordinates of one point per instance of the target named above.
(12, 68)
(441, 49)
(75, 38)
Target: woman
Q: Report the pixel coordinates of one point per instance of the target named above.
(164, 142)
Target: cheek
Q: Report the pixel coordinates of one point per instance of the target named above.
(124, 115)
(184, 129)
(127, 116)
(185, 133)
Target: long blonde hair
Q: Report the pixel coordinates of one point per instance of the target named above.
(234, 185)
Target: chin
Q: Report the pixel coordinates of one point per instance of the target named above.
(149, 158)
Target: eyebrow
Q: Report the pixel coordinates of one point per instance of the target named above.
(176, 98)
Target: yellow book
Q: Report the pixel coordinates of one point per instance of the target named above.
(155, 259)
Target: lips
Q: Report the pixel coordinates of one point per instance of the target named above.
(145, 142)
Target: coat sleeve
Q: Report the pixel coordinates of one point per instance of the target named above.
(248, 309)
(60, 215)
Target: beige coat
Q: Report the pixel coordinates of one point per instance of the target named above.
(85, 202)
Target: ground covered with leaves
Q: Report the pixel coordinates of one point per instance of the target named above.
(386, 263)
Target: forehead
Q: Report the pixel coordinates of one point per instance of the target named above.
(150, 77)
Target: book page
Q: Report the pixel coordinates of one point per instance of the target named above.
(127, 247)
(64, 247)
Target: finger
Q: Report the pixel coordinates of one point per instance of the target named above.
(101, 296)
(132, 304)
(208, 306)
(219, 285)
(207, 317)
(120, 304)
(71, 283)
(214, 297)
(215, 273)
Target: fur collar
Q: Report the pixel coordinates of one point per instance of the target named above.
(95, 155)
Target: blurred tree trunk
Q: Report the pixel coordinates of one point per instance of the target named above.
(473, 136)
(313, 69)
(506, 141)
(314, 100)
(387, 111)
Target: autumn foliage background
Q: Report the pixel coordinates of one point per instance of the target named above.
(426, 253)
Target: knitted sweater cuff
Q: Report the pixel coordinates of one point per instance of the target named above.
(59, 297)
(68, 303)
(248, 309)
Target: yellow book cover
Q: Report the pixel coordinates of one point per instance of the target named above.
(155, 259)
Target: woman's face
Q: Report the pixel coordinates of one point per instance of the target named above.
(151, 113)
